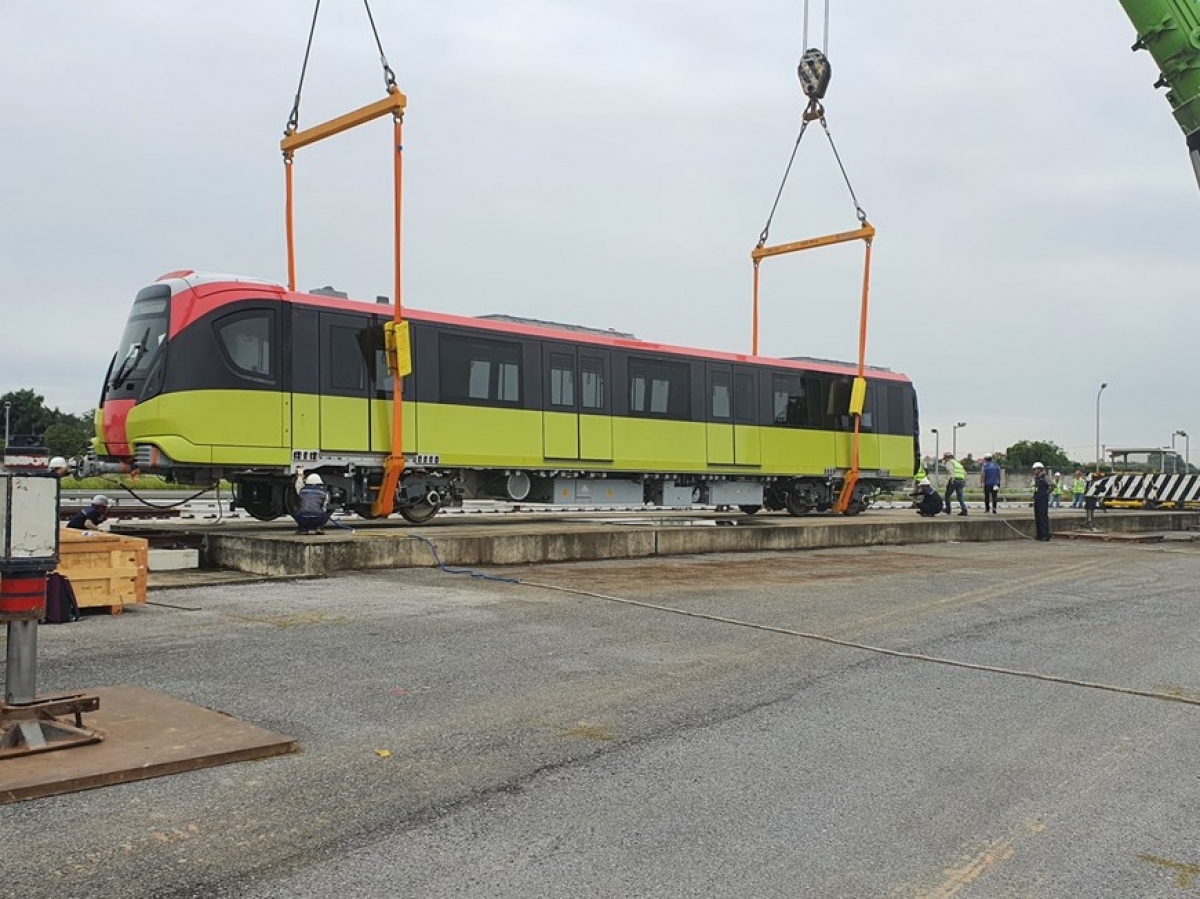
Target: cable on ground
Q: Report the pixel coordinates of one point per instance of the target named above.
(895, 653)
(467, 571)
(820, 638)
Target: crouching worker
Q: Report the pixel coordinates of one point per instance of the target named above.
(312, 504)
(91, 517)
(929, 503)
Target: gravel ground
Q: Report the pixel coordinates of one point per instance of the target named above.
(475, 738)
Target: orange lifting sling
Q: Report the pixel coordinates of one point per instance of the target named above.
(395, 332)
(814, 73)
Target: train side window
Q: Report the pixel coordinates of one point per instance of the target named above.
(246, 339)
(479, 370)
(868, 412)
(347, 369)
(591, 382)
(720, 404)
(562, 380)
(789, 399)
(659, 389)
(837, 406)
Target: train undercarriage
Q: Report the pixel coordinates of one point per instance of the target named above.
(269, 493)
(422, 493)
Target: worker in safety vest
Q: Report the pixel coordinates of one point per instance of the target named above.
(956, 481)
(1078, 489)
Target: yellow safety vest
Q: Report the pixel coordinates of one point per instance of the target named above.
(957, 470)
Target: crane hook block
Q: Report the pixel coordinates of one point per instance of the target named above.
(814, 72)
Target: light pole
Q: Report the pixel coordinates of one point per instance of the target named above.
(7, 408)
(937, 457)
(1186, 447)
(954, 436)
(1098, 392)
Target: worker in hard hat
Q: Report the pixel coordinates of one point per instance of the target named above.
(91, 517)
(929, 503)
(312, 503)
(956, 482)
(58, 467)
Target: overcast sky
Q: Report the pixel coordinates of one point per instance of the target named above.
(611, 163)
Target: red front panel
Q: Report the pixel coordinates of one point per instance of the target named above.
(116, 439)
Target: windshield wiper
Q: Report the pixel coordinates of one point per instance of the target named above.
(130, 361)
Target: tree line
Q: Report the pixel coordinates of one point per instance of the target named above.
(30, 422)
(1022, 454)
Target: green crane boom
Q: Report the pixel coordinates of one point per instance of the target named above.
(1170, 30)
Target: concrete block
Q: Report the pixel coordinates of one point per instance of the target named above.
(173, 559)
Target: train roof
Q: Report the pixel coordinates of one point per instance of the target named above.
(207, 286)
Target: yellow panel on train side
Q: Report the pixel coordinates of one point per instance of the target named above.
(747, 445)
(481, 435)
(381, 425)
(647, 444)
(560, 435)
(896, 455)
(306, 421)
(595, 438)
(345, 423)
(797, 451)
(204, 418)
(719, 440)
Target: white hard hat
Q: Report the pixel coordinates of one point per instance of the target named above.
(924, 482)
(58, 462)
(100, 500)
(313, 479)
(1038, 465)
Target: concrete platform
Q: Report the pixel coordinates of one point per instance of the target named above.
(274, 550)
(146, 734)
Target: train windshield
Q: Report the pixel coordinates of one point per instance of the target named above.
(145, 332)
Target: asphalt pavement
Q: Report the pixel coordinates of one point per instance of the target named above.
(766, 725)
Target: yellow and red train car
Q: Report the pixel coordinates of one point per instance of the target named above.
(224, 376)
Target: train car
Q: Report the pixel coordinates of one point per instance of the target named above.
(220, 376)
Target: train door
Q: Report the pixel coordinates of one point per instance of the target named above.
(595, 405)
(747, 446)
(731, 427)
(345, 410)
(576, 415)
(719, 419)
(560, 406)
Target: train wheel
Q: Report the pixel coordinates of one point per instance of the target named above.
(750, 510)
(797, 503)
(860, 502)
(260, 500)
(417, 513)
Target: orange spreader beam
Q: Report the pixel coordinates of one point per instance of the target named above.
(394, 103)
(866, 233)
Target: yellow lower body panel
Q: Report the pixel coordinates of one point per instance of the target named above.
(233, 428)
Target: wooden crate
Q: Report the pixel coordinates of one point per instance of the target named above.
(104, 569)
